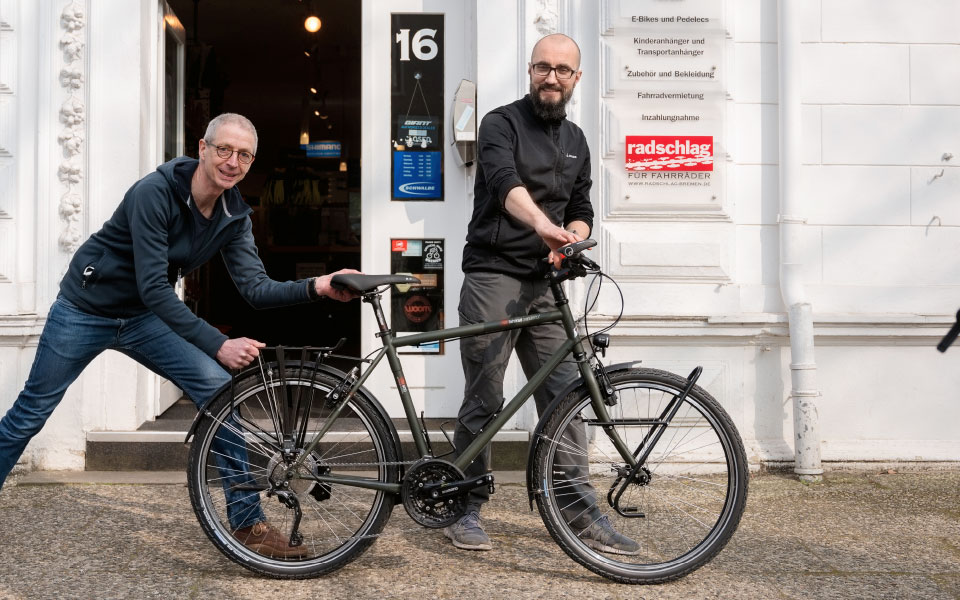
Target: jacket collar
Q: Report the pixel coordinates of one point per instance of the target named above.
(179, 173)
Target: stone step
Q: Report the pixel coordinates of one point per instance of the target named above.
(159, 445)
(164, 450)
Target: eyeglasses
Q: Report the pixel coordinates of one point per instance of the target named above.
(242, 155)
(543, 70)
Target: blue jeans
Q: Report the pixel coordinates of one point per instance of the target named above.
(71, 339)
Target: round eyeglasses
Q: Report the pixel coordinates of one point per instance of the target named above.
(242, 155)
(543, 70)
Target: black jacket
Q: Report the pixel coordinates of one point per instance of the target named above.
(131, 265)
(551, 160)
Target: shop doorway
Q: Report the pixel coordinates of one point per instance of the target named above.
(301, 89)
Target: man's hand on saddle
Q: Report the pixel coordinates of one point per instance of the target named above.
(325, 289)
(237, 353)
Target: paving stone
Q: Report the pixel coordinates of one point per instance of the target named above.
(857, 535)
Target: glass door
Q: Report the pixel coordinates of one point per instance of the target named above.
(173, 39)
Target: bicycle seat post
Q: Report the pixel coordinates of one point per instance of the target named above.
(373, 299)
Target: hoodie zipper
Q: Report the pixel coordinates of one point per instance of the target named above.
(560, 154)
(87, 273)
(178, 286)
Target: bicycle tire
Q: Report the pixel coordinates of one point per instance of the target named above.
(691, 503)
(339, 522)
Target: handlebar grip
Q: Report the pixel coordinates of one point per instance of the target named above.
(576, 247)
(949, 338)
(951, 335)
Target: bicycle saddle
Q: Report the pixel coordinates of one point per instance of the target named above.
(366, 283)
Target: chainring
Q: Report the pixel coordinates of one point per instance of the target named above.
(423, 509)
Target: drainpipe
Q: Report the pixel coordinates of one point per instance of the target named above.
(803, 367)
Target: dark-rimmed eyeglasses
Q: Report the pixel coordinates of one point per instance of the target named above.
(242, 155)
(543, 70)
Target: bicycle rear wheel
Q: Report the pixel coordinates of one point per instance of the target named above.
(240, 452)
(680, 509)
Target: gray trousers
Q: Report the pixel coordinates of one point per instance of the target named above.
(492, 297)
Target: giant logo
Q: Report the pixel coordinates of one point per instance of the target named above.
(669, 153)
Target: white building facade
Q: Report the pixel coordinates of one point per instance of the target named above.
(835, 146)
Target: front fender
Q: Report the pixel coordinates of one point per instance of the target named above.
(536, 437)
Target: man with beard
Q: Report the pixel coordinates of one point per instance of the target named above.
(532, 196)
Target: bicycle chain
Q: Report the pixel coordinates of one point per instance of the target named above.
(370, 464)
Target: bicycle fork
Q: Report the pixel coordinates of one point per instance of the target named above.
(638, 473)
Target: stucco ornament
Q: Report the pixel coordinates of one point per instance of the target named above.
(73, 118)
(70, 207)
(547, 18)
(72, 18)
(69, 173)
(72, 48)
(72, 113)
(72, 142)
(72, 80)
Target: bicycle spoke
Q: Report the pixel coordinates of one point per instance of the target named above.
(662, 521)
(239, 455)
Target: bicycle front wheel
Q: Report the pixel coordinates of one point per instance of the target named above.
(239, 474)
(675, 513)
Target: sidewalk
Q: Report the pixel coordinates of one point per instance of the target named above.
(867, 534)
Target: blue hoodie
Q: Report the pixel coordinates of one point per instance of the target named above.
(131, 265)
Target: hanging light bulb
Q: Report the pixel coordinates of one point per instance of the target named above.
(312, 24)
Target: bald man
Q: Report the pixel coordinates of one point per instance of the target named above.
(532, 195)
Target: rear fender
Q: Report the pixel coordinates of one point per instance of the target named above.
(321, 368)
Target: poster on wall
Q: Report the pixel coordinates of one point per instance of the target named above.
(416, 308)
(416, 106)
(665, 98)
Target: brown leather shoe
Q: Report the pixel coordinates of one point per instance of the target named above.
(264, 538)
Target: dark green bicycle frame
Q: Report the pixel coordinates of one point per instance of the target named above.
(572, 345)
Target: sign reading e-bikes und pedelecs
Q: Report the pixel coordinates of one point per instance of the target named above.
(416, 308)
(417, 106)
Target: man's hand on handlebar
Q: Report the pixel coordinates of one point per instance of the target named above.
(555, 237)
(324, 288)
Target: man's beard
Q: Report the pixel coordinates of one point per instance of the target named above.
(549, 111)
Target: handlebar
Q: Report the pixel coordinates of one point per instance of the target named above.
(951, 335)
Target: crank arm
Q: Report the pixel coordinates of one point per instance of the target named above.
(441, 491)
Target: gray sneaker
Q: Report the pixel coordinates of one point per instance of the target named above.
(600, 535)
(468, 534)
